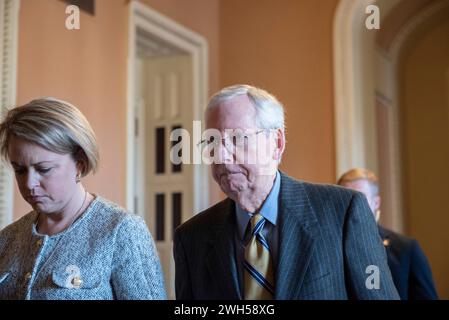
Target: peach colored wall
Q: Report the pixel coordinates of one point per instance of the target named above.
(286, 48)
(425, 118)
(88, 68)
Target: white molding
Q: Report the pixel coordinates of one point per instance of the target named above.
(343, 103)
(151, 21)
(8, 91)
(351, 139)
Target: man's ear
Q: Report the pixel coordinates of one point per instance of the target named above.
(376, 201)
(279, 137)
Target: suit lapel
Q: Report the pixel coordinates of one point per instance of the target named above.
(221, 260)
(297, 228)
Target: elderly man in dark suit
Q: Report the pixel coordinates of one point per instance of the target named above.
(273, 237)
(408, 263)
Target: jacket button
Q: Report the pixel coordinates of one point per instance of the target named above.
(77, 282)
(28, 276)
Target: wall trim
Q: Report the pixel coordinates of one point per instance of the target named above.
(9, 26)
(350, 132)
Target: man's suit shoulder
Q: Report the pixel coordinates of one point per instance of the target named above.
(322, 192)
(318, 188)
(323, 197)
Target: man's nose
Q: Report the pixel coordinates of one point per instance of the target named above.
(225, 153)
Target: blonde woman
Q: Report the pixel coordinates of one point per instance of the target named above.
(73, 244)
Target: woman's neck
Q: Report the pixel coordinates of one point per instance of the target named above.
(57, 222)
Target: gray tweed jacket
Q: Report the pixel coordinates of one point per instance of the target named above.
(106, 254)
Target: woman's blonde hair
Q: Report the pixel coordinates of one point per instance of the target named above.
(55, 125)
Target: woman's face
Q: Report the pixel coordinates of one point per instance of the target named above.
(46, 180)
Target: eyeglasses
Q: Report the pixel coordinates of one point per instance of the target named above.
(235, 137)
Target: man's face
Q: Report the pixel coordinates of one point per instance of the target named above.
(365, 187)
(239, 169)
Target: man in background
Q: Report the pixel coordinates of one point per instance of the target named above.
(408, 263)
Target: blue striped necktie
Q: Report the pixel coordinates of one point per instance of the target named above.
(258, 264)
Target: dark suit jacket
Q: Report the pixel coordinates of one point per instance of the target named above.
(409, 267)
(327, 239)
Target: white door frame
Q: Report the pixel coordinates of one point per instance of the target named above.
(152, 22)
(9, 27)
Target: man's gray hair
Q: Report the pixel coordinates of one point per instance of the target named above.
(269, 111)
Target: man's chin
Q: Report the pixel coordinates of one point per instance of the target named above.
(231, 189)
(233, 195)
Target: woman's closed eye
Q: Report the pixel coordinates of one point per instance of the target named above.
(43, 170)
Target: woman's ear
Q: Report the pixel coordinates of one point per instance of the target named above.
(81, 162)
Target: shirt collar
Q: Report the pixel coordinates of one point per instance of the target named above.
(269, 208)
